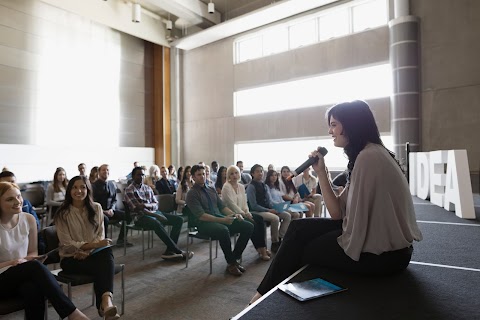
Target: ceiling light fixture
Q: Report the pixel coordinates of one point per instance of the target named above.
(211, 7)
(136, 12)
(169, 23)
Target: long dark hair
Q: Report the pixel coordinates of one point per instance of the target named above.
(276, 184)
(56, 183)
(288, 183)
(180, 173)
(88, 201)
(358, 126)
(219, 183)
(184, 182)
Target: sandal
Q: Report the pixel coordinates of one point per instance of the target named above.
(110, 313)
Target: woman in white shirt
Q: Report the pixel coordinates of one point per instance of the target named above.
(80, 230)
(56, 190)
(21, 270)
(373, 221)
(183, 188)
(290, 193)
(233, 195)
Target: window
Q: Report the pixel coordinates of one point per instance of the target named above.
(334, 25)
(303, 33)
(294, 152)
(354, 16)
(364, 83)
(369, 15)
(275, 41)
(250, 48)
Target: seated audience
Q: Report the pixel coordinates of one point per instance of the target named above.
(144, 210)
(56, 190)
(179, 175)
(129, 175)
(82, 169)
(153, 177)
(261, 203)
(183, 187)
(93, 174)
(79, 223)
(289, 193)
(373, 221)
(310, 182)
(22, 273)
(221, 179)
(208, 181)
(105, 193)
(245, 178)
(214, 219)
(164, 185)
(214, 171)
(8, 176)
(172, 173)
(233, 194)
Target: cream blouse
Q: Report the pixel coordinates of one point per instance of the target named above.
(377, 208)
(235, 201)
(75, 230)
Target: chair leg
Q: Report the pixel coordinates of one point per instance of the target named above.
(123, 292)
(210, 243)
(45, 316)
(143, 244)
(125, 233)
(186, 263)
(93, 295)
(216, 249)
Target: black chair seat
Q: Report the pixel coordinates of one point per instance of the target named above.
(80, 279)
(10, 305)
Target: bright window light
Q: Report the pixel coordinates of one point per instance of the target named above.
(334, 24)
(341, 20)
(293, 153)
(249, 49)
(303, 33)
(369, 15)
(78, 92)
(364, 83)
(275, 41)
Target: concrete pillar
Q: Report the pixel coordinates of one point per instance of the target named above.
(404, 60)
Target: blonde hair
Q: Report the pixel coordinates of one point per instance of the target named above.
(152, 169)
(232, 168)
(5, 186)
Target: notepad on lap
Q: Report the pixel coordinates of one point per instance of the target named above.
(281, 206)
(99, 249)
(297, 207)
(310, 289)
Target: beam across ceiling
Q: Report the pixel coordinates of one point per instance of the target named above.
(261, 17)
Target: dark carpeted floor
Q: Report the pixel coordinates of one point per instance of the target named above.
(442, 282)
(157, 289)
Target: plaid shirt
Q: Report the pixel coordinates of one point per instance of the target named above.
(137, 194)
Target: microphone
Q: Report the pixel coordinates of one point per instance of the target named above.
(323, 151)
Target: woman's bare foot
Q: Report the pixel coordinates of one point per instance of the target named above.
(77, 315)
(263, 254)
(255, 297)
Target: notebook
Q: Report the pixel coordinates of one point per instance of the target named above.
(281, 206)
(303, 190)
(310, 289)
(297, 207)
(100, 249)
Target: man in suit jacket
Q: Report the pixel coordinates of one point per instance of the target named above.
(105, 193)
(164, 186)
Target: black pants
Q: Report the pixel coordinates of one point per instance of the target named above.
(34, 282)
(222, 232)
(259, 232)
(100, 266)
(314, 241)
(121, 216)
(151, 223)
